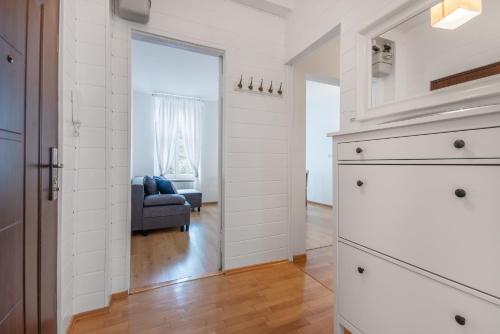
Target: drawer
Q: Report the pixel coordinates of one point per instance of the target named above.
(413, 214)
(481, 143)
(390, 299)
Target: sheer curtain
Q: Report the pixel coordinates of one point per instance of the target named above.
(174, 116)
(189, 124)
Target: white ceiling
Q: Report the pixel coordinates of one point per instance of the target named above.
(160, 68)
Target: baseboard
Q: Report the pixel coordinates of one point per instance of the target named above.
(92, 313)
(320, 204)
(133, 291)
(240, 270)
(300, 257)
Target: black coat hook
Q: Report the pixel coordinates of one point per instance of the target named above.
(261, 88)
(280, 91)
(251, 84)
(270, 90)
(240, 84)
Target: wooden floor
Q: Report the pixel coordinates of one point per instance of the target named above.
(319, 265)
(319, 227)
(168, 255)
(276, 299)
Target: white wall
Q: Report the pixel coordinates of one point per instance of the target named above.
(143, 142)
(143, 139)
(255, 134)
(209, 174)
(322, 116)
(68, 154)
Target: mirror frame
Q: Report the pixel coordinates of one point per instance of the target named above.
(477, 93)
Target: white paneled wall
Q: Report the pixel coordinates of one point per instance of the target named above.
(255, 126)
(91, 180)
(68, 154)
(98, 175)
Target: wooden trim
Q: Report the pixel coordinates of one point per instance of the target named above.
(474, 74)
(71, 325)
(164, 284)
(321, 204)
(118, 296)
(300, 257)
(253, 267)
(92, 313)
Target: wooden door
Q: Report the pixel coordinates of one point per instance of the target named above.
(28, 126)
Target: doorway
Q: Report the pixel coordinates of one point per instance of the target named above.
(322, 116)
(176, 162)
(316, 105)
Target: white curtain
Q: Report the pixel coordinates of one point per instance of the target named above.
(174, 116)
(189, 125)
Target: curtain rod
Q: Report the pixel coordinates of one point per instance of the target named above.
(180, 96)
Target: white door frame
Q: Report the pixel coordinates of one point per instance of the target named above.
(136, 34)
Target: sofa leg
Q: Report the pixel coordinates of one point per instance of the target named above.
(199, 208)
(187, 228)
(144, 233)
(182, 228)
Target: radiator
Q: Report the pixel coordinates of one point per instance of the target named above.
(183, 184)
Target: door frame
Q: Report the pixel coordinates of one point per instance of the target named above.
(41, 133)
(150, 36)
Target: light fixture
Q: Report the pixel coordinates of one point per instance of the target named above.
(451, 14)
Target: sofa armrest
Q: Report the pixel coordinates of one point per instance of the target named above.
(137, 203)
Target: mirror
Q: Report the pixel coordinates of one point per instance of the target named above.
(452, 43)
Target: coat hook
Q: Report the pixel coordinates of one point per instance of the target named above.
(261, 88)
(240, 84)
(270, 90)
(280, 91)
(251, 84)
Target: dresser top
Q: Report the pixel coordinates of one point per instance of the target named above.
(488, 116)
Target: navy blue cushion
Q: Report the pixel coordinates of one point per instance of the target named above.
(150, 187)
(164, 185)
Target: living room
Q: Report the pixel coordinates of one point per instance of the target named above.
(175, 164)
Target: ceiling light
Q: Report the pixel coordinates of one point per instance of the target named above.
(451, 14)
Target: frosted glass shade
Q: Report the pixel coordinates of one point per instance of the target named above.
(451, 14)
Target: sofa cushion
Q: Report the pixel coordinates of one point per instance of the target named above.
(150, 187)
(167, 210)
(164, 199)
(164, 185)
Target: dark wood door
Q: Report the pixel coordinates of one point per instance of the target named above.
(28, 127)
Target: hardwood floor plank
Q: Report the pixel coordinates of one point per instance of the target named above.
(275, 299)
(168, 255)
(319, 227)
(319, 265)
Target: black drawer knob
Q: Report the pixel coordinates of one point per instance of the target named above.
(459, 143)
(359, 183)
(359, 150)
(10, 59)
(460, 320)
(361, 270)
(460, 193)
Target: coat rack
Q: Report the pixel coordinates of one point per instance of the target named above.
(264, 88)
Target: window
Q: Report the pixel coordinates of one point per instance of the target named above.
(180, 167)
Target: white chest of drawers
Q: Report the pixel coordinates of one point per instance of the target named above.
(418, 226)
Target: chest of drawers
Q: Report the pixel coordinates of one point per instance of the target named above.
(418, 227)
